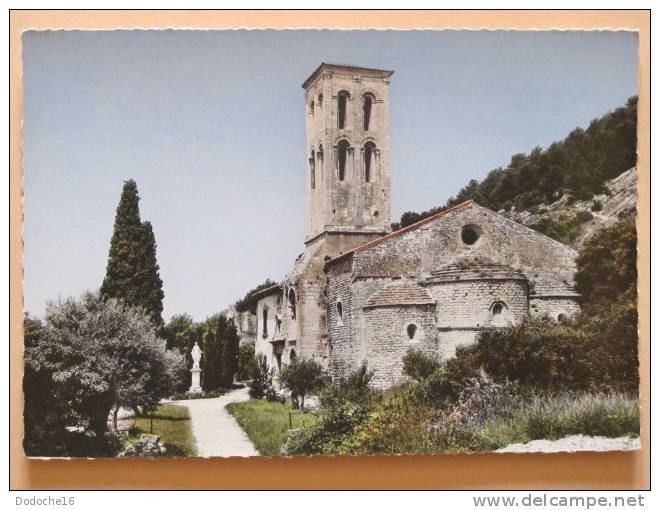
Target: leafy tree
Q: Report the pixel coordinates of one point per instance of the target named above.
(132, 272)
(220, 347)
(246, 361)
(246, 304)
(580, 164)
(260, 377)
(91, 354)
(607, 267)
(302, 377)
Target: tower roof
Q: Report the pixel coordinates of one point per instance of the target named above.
(369, 71)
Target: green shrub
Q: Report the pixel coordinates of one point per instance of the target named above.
(587, 353)
(302, 377)
(596, 206)
(418, 365)
(355, 388)
(566, 229)
(260, 377)
(246, 361)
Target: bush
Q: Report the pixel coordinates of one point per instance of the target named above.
(355, 388)
(301, 378)
(418, 365)
(246, 361)
(586, 353)
(261, 378)
(88, 356)
(596, 206)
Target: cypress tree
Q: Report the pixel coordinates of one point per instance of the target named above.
(132, 272)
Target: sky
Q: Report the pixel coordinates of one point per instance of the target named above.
(211, 125)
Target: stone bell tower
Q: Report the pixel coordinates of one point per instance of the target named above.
(347, 152)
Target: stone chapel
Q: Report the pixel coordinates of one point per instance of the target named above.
(362, 292)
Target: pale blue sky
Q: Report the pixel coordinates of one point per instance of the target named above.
(211, 126)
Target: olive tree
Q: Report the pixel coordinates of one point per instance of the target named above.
(93, 354)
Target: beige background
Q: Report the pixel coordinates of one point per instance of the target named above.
(539, 471)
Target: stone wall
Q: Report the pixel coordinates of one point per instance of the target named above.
(552, 307)
(469, 304)
(387, 340)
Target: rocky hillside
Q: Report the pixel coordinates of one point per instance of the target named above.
(572, 221)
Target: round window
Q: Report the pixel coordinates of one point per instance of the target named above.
(470, 234)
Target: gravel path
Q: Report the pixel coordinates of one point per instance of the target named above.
(216, 432)
(577, 443)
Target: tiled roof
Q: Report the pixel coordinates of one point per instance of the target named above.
(401, 231)
(400, 293)
(548, 284)
(475, 268)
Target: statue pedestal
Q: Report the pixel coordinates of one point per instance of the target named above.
(195, 387)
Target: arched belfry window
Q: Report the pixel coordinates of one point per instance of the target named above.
(342, 156)
(342, 105)
(366, 111)
(312, 170)
(369, 155)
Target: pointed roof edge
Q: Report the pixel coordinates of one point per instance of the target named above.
(401, 231)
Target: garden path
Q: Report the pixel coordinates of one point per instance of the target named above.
(216, 432)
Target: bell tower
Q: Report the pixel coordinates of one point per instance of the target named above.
(347, 151)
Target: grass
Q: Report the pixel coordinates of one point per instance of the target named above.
(266, 423)
(609, 415)
(172, 424)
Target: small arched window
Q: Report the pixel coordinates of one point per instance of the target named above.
(292, 303)
(292, 356)
(311, 108)
(320, 101)
(312, 170)
(342, 105)
(411, 330)
(342, 155)
(369, 151)
(561, 318)
(498, 313)
(366, 111)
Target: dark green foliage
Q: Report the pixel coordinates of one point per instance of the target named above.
(442, 386)
(87, 356)
(220, 352)
(355, 388)
(246, 303)
(565, 230)
(607, 267)
(418, 365)
(181, 333)
(132, 272)
(246, 361)
(579, 165)
(588, 353)
(260, 377)
(302, 377)
(596, 206)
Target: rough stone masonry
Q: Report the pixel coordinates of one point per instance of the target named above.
(360, 292)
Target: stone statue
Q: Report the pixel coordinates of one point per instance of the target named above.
(196, 354)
